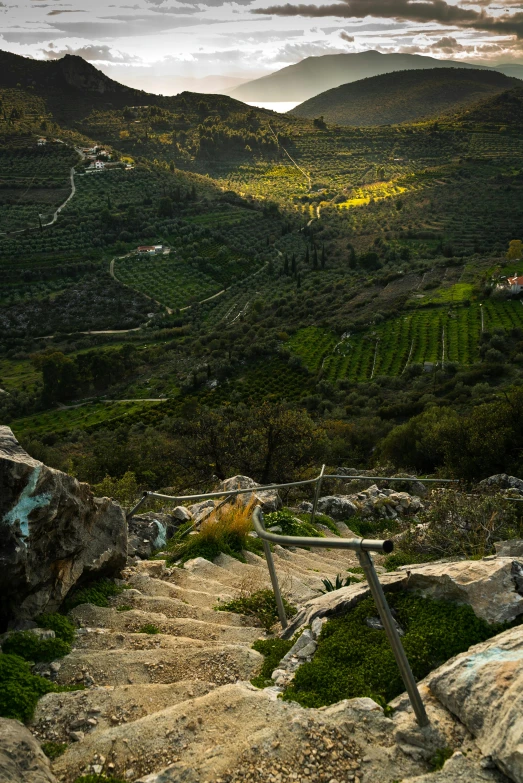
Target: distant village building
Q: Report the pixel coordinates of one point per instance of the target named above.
(96, 165)
(41, 142)
(150, 249)
(516, 284)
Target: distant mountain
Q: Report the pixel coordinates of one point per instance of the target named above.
(72, 88)
(316, 74)
(511, 69)
(406, 96)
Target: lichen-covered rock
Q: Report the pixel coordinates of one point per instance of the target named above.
(338, 507)
(53, 533)
(370, 502)
(21, 757)
(503, 481)
(483, 687)
(268, 499)
(511, 548)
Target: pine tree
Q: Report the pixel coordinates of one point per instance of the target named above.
(323, 256)
(315, 259)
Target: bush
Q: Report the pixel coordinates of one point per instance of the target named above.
(149, 628)
(225, 530)
(460, 525)
(261, 605)
(62, 626)
(54, 749)
(99, 779)
(354, 660)
(291, 525)
(30, 647)
(97, 593)
(273, 650)
(20, 689)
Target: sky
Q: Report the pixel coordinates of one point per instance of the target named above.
(166, 46)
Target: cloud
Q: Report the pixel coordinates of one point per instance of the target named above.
(92, 53)
(447, 44)
(347, 37)
(406, 10)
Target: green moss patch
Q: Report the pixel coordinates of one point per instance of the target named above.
(261, 605)
(97, 593)
(54, 749)
(354, 660)
(273, 650)
(62, 626)
(20, 689)
(149, 628)
(30, 647)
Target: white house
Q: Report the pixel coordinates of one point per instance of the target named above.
(516, 284)
(41, 142)
(96, 165)
(150, 249)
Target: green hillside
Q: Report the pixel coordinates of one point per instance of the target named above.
(315, 75)
(337, 282)
(407, 96)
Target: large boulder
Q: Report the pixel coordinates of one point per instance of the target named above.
(483, 687)
(493, 587)
(338, 507)
(503, 481)
(268, 499)
(21, 757)
(53, 533)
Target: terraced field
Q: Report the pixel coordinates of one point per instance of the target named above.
(428, 334)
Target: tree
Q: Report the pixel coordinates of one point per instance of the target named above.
(323, 257)
(515, 250)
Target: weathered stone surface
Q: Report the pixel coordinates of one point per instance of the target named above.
(460, 769)
(268, 499)
(181, 514)
(503, 481)
(337, 506)
(489, 586)
(483, 687)
(150, 532)
(53, 533)
(200, 511)
(21, 758)
(512, 548)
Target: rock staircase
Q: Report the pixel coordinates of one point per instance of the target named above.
(178, 706)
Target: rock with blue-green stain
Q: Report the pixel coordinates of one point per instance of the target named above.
(53, 534)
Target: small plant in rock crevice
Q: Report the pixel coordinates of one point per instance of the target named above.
(61, 625)
(291, 525)
(149, 628)
(338, 584)
(273, 650)
(30, 647)
(98, 593)
(439, 758)
(54, 750)
(261, 605)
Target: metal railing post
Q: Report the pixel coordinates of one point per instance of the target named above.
(317, 494)
(275, 584)
(394, 637)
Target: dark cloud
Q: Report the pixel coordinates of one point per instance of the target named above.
(447, 44)
(347, 37)
(120, 26)
(406, 10)
(92, 53)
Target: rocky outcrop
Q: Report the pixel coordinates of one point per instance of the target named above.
(503, 481)
(53, 533)
(269, 500)
(483, 687)
(493, 587)
(370, 502)
(150, 532)
(21, 758)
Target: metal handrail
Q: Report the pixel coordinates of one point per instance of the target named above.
(362, 547)
(264, 488)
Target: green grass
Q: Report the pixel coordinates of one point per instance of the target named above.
(98, 593)
(355, 660)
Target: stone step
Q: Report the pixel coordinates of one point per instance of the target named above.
(175, 608)
(106, 639)
(217, 664)
(91, 616)
(99, 708)
(148, 585)
(298, 587)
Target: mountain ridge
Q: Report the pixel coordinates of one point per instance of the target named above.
(314, 75)
(404, 96)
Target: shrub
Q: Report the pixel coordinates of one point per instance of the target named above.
(354, 660)
(98, 779)
(225, 530)
(460, 525)
(97, 593)
(273, 650)
(339, 583)
(62, 626)
(149, 628)
(291, 525)
(30, 647)
(261, 605)
(54, 749)
(20, 689)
